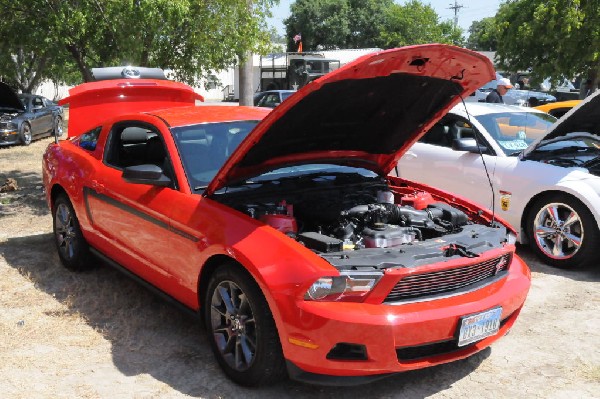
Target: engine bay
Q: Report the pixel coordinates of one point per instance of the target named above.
(354, 222)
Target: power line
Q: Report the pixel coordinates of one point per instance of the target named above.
(456, 7)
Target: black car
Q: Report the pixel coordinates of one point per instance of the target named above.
(24, 117)
(271, 98)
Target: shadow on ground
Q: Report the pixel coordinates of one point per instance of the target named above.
(591, 273)
(29, 197)
(150, 337)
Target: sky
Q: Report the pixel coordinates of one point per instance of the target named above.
(472, 10)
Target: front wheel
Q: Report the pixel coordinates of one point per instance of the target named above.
(26, 135)
(242, 332)
(562, 231)
(73, 249)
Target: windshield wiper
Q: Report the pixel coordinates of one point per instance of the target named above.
(569, 149)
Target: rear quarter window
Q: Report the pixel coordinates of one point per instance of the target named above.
(88, 140)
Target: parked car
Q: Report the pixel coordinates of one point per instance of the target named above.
(271, 98)
(544, 175)
(513, 96)
(558, 109)
(283, 230)
(24, 117)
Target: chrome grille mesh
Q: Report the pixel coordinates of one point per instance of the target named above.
(445, 281)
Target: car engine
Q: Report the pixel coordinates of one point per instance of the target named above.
(365, 222)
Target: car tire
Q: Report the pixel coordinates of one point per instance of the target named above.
(242, 332)
(73, 249)
(562, 231)
(58, 127)
(26, 135)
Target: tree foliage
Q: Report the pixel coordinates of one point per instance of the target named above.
(482, 35)
(555, 38)
(417, 23)
(190, 37)
(331, 24)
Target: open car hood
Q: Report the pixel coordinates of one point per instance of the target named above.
(365, 114)
(583, 118)
(9, 99)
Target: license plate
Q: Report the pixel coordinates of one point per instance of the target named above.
(478, 326)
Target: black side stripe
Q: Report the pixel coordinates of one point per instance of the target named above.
(87, 192)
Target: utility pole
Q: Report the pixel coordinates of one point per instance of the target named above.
(455, 7)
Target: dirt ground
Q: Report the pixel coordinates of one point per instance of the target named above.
(99, 335)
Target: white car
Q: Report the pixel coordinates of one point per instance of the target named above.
(544, 174)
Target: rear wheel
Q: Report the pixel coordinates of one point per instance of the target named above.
(243, 337)
(26, 135)
(73, 249)
(562, 231)
(58, 126)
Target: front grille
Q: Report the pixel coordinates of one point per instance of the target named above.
(422, 285)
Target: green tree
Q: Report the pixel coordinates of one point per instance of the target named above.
(482, 35)
(417, 23)
(188, 36)
(330, 24)
(556, 38)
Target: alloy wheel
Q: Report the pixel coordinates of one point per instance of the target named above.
(26, 134)
(65, 231)
(558, 231)
(233, 325)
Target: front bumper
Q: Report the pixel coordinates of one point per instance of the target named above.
(395, 338)
(9, 136)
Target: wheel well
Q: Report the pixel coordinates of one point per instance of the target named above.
(207, 270)
(55, 192)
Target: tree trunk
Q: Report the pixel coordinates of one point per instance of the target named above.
(86, 73)
(245, 74)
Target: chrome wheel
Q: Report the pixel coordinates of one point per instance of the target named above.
(58, 126)
(558, 231)
(233, 325)
(26, 135)
(65, 231)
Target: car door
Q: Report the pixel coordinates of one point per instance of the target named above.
(42, 116)
(434, 162)
(133, 218)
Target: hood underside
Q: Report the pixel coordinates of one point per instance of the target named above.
(583, 118)
(8, 98)
(364, 114)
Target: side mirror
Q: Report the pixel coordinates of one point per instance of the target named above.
(146, 174)
(468, 145)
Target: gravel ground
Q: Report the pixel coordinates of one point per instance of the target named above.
(99, 335)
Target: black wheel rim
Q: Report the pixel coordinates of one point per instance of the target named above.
(26, 134)
(64, 230)
(233, 325)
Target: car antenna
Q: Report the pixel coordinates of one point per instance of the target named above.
(478, 138)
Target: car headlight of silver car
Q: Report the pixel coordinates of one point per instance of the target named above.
(347, 287)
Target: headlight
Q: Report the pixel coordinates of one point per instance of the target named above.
(511, 238)
(348, 287)
(8, 126)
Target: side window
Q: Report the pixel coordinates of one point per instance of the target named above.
(439, 134)
(37, 103)
(88, 140)
(132, 145)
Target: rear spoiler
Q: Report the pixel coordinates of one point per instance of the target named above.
(92, 103)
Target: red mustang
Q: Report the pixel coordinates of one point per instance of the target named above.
(283, 230)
